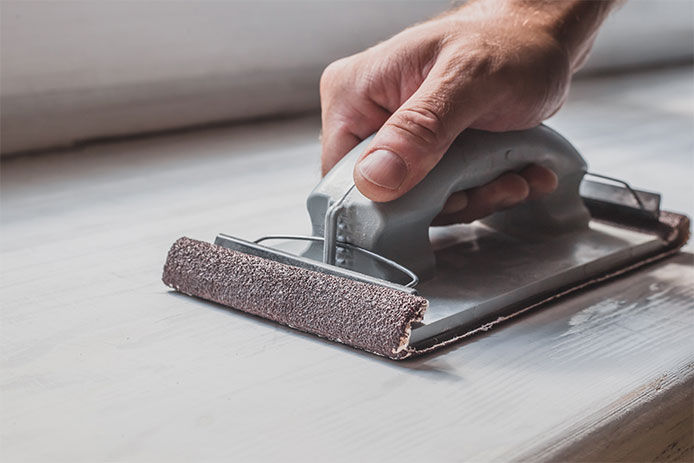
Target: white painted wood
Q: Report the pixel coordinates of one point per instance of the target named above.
(101, 362)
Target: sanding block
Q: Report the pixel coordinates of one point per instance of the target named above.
(377, 277)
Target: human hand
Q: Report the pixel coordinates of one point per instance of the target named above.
(491, 65)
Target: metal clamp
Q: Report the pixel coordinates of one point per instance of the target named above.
(624, 184)
(330, 228)
(413, 277)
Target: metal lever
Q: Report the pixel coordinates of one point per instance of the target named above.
(414, 279)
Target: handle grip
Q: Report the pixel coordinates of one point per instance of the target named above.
(399, 229)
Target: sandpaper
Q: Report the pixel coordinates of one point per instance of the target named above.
(369, 317)
(365, 316)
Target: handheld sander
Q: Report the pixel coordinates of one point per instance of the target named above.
(375, 276)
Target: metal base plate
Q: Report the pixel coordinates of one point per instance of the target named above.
(483, 274)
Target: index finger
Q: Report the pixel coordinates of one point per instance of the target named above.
(346, 122)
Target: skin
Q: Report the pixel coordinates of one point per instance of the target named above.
(494, 65)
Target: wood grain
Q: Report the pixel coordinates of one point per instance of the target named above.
(100, 362)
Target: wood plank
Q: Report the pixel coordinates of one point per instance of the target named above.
(100, 362)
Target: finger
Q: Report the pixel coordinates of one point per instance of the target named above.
(455, 203)
(347, 116)
(415, 137)
(336, 141)
(541, 180)
(505, 191)
(345, 126)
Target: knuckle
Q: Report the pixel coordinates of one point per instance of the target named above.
(365, 82)
(332, 73)
(349, 75)
(422, 125)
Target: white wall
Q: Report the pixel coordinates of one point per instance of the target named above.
(72, 70)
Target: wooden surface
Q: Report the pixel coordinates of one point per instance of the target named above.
(100, 362)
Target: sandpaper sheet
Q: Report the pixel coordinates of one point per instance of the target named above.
(368, 317)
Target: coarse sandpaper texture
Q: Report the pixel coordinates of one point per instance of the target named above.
(365, 316)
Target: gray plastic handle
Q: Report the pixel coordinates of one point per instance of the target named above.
(399, 229)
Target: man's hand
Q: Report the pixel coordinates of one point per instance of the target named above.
(495, 65)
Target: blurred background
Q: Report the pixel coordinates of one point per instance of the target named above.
(79, 70)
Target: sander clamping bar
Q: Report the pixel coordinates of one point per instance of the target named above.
(377, 277)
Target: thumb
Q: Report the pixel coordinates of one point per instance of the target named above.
(411, 142)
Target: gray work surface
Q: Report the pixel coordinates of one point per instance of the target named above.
(101, 362)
